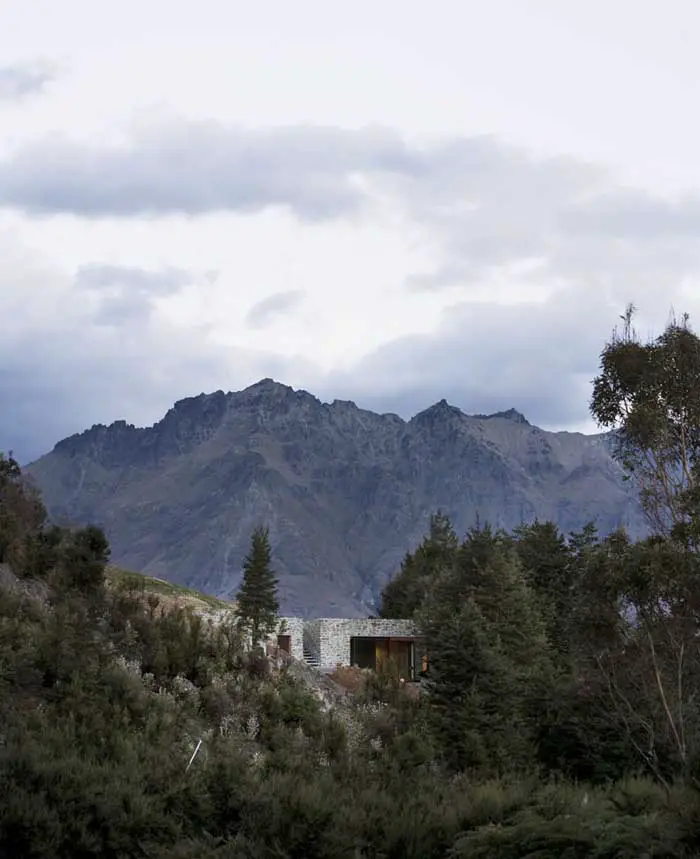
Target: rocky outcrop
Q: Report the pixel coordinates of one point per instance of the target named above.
(345, 491)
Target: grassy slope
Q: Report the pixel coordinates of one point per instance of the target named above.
(116, 577)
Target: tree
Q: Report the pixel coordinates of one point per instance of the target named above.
(406, 592)
(258, 605)
(652, 670)
(22, 513)
(648, 394)
(546, 562)
(85, 556)
(489, 658)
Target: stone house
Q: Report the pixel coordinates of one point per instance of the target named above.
(365, 643)
(327, 642)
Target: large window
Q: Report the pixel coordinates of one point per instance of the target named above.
(363, 652)
(397, 654)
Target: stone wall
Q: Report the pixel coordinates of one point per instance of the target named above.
(327, 639)
(312, 637)
(293, 627)
(333, 635)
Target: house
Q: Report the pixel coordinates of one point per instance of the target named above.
(327, 642)
(364, 643)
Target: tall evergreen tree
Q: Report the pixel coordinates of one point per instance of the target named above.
(548, 569)
(22, 513)
(488, 655)
(258, 605)
(406, 592)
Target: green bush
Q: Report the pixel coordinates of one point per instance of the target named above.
(517, 747)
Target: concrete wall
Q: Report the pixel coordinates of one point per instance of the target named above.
(332, 635)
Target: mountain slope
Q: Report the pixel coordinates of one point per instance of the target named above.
(168, 594)
(346, 492)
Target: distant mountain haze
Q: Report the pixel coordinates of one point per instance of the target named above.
(345, 491)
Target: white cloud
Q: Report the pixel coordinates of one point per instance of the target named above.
(265, 311)
(21, 80)
(126, 294)
(462, 198)
(63, 369)
(196, 168)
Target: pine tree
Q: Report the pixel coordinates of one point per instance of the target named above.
(406, 592)
(549, 571)
(258, 605)
(488, 656)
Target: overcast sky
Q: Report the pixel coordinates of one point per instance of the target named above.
(391, 201)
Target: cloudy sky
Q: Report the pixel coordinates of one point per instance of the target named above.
(392, 201)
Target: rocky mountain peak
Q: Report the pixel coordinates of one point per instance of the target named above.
(509, 415)
(267, 387)
(345, 491)
(116, 434)
(440, 412)
(271, 398)
(189, 413)
(512, 415)
(343, 405)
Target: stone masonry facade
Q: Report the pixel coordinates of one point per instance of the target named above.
(294, 628)
(328, 639)
(325, 641)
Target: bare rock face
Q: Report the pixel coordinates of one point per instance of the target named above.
(345, 492)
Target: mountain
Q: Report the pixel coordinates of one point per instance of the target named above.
(345, 492)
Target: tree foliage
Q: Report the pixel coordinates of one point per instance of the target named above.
(22, 514)
(257, 602)
(405, 593)
(648, 394)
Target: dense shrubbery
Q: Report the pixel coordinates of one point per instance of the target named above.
(520, 749)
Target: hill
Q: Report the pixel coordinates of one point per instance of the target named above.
(116, 579)
(168, 593)
(345, 491)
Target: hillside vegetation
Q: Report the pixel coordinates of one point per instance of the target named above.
(560, 715)
(169, 593)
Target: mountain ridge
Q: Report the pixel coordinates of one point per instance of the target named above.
(271, 384)
(345, 491)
